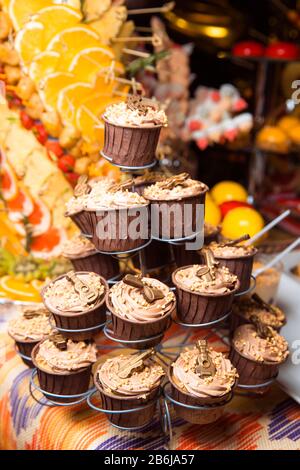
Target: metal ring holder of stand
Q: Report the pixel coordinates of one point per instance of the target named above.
(34, 388)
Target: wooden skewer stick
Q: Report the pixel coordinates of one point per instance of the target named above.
(136, 53)
(141, 11)
(155, 39)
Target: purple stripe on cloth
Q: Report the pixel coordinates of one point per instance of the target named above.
(281, 426)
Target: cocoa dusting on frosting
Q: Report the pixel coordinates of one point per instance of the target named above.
(175, 188)
(268, 314)
(193, 278)
(51, 356)
(136, 112)
(187, 372)
(221, 250)
(260, 346)
(144, 300)
(32, 325)
(78, 246)
(74, 292)
(133, 375)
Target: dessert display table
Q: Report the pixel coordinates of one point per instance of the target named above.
(272, 422)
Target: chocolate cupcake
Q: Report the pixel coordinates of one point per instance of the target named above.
(132, 131)
(84, 257)
(77, 302)
(211, 233)
(205, 293)
(63, 367)
(201, 377)
(118, 219)
(267, 282)
(257, 351)
(129, 382)
(237, 258)
(139, 183)
(75, 207)
(175, 206)
(140, 309)
(29, 329)
(268, 314)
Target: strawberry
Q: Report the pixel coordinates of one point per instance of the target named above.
(54, 147)
(66, 163)
(72, 177)
(26, 120)
(195, 126)
(40, 133)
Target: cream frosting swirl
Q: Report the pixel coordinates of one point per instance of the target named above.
(234, 251)
(248, 307)
(187, 278)
(77, 356)
(78, 246)
(189, 188)
(271, 349)
(61, 294)
(121, 199)
(30, 327)
(138, 384)
(185, 376)
(98, 188)
(129, 302)
(122, 115)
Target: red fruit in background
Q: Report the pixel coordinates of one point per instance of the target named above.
(72, 178)
(66, 163)
(54, 147)
(283, 50)
(195, 126)
(215, 96)
(26, 120)
(227, 206)
(40, 133)
(202, 143)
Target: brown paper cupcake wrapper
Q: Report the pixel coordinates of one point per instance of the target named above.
(82, 220)
(130, 146)
(156, 255)
(134, 419)
(117, 240)
(80, 321)
(185, 257)
(241, 267)
(212, 237)
(127, 330)
(195, 309)
(72, 383)
(214, 408)
(178, 228)
(104, 265)
(26, 349)
(251, 372)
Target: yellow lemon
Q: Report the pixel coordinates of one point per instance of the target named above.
(228, 191)
(212, 211)
(240, 221)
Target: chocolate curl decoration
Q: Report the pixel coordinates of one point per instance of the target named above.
(30, 313)
(263, 304)
(173, 181)
(237, 240)
(82, 187)
(121, 186)
(59, 341)
(84, 291)
(137, 102)
(208, 272)
(150, 293)
(263, 331)
(135, 362)
(205, 366)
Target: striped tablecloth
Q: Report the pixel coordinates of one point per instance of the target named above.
(272, 422)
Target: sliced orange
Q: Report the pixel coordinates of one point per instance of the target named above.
(49, 244)
(76, 4)
(56, 18)
(19, 290)
(8, 182)
(70, 41)
(21, 205)
(69, 100)
(39, 219)
(9, 239)
(49, 88)
(21, 11)
(43, 65)
(30, 41)
(90, 62)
